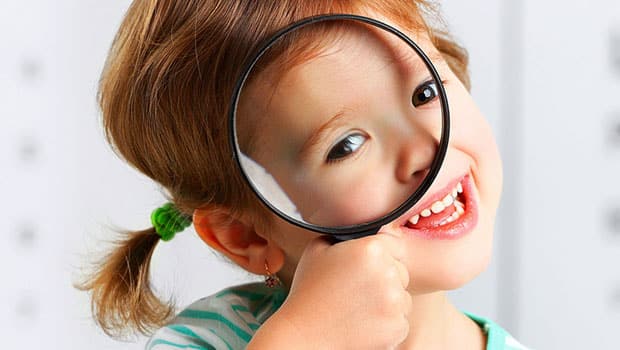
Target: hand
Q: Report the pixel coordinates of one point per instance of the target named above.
(351, 295)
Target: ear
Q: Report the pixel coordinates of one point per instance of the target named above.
(237, 239)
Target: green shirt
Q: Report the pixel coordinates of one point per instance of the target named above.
(228, 319)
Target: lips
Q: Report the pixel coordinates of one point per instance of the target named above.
(448, 214)
(441, 212)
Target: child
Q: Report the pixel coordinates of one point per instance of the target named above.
(164, 94)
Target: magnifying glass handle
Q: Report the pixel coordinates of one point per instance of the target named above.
(333, 239)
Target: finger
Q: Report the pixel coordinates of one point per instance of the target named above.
(403, 273)
(393, 244)
(408, 303)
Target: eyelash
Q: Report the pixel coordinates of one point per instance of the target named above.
(426, 83)
(339, 159)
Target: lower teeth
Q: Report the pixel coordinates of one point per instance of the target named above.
(459, 206)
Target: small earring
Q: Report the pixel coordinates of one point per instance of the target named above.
(271, 280)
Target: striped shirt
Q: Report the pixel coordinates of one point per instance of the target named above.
(227, 320)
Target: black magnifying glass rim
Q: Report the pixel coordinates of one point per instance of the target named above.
(341, 233)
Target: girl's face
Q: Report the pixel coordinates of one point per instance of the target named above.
(343, 137)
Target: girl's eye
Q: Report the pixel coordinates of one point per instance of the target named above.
(425, 93)
(346, 147)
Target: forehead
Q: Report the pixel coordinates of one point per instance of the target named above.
(315, 40)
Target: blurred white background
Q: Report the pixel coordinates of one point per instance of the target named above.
(546, 73)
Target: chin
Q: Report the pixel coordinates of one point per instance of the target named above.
(451, 267)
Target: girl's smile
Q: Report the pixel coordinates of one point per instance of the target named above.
(449, 213)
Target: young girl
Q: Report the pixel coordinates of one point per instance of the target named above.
(165, 94)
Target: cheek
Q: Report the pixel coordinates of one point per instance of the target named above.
(469, 127)
(356, 202)
(472, 135)
(293, 240)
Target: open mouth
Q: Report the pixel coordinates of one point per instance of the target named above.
(441, 212)
(450, 214)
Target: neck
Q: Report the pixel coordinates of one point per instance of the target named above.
(436, 324)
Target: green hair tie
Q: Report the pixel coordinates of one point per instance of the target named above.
(168, 220)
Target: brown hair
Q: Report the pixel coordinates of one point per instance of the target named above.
(164, 96)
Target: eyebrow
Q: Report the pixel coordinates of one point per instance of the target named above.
(418, 64)
(319, 133)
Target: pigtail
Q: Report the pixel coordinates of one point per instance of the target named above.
(122, 300)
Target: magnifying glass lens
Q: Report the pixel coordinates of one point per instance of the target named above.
(340, 125)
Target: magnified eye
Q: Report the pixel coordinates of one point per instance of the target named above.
(424, 93)
(346, 147)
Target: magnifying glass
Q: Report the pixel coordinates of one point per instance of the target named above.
(340, 124)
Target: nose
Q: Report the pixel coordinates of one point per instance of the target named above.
(415, 157)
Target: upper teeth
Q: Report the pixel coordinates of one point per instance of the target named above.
(439, 206)
(447, 200)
